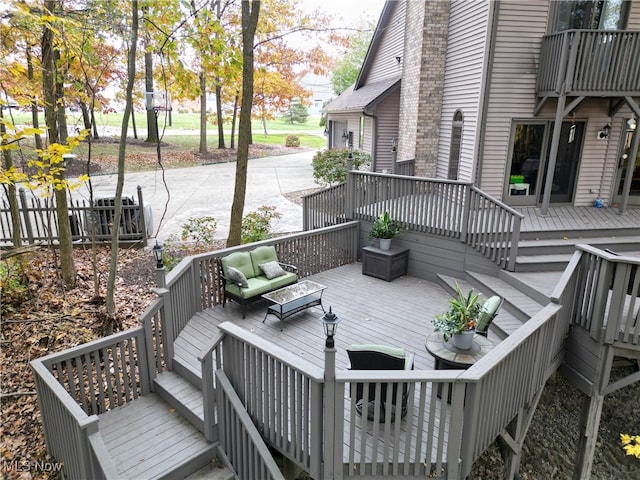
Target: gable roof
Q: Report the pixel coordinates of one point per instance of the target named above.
(364, 98)
(383, 23)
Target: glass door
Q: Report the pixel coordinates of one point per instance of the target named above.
(623, 162)
(567, 162)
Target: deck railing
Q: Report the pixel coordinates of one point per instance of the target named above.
(281, 392)
(590, 62)
(77, 384)
(39, 222)
(608, 303)
(443, 208)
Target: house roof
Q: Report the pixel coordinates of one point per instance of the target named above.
(383, 23)
(364, 97)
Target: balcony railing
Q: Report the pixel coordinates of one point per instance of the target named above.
(590, 63)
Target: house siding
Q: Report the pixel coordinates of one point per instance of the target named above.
(384, 64)
(463, 82)
(387, 112)
(521, 26)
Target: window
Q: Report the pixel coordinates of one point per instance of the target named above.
(456, 141)
(589, 15)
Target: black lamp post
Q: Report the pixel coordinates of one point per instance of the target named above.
(157, 253)
(350, 147)
(330, 323)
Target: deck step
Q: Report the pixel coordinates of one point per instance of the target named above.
(542, 263)
(146, 438)
(511, 316)
(194, 338)
(564, 244)
(180, 394)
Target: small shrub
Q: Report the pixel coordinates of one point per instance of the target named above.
(256, 225)
(13, 284)
(292, 141)
(199, 231)
(330, 166)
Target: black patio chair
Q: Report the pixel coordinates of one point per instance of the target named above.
(380, 357)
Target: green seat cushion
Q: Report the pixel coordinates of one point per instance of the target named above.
(259, 285)
(386, 349)
(488, 311)
(260, 255)
(240, 261)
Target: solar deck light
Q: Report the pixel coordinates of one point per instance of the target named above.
(330, 323)
(157, 253)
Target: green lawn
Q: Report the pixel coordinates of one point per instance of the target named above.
(310, 134)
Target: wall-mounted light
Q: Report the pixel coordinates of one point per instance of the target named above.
(631, 124)
(345, 136)
(604, 133)
(398, 59)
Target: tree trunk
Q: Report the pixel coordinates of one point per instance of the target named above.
(152, 124)
(203, 113)
(16, 236)
(221, 143)
(131, 70)
(93, 124)
(250, 13)
(34, 106)
(50, 94)
(86, 116)
(233, 121)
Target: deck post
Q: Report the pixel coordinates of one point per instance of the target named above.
(553, 152)
(589, 425)
(349, 196)
(25, 215)
(633, 153)
(329, 411)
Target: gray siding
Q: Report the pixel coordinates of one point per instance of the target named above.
(464, 73)
(384, 64)
(521, 26)
(386, 113)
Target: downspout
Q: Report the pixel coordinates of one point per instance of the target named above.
(374, 137)
(494, 8)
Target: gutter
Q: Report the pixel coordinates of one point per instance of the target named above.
(494, 8)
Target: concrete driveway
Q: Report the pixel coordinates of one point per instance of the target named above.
(208, 191)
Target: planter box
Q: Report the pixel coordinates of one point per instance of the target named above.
(385, 264)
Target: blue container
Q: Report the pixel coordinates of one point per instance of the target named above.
(598, 203)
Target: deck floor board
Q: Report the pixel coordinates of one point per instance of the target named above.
(140, 434)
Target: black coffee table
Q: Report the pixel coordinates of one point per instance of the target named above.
(292, 299)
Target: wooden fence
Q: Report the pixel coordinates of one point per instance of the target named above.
(444, 208)
(39, 222)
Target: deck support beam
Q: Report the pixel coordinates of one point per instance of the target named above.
(513, 436)
(589, 425)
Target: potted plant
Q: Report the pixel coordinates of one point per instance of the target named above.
(384, 228)
(459, 321)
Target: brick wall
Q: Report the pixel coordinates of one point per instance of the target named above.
(423, 83)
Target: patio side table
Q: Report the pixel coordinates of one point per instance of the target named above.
(385, 264)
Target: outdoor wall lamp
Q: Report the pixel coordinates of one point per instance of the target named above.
(330, 323)
(398, 59)
(631, 124)
(604, 133)
(157, 253)
(345, 136)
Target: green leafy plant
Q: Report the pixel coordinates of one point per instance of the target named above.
(256, 225)
(292, 141)
(461, 315)
(13, 284)
(330, 166)
(385, 227)
(199, 230)
(631, 444)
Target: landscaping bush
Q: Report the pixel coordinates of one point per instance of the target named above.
(292, 141)
(13, 284)
(330, 166)
(256, 225)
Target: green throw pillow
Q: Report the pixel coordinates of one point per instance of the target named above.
(237, 276)
(272, 270)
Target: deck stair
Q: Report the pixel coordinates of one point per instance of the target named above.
(518, 306)
(146, 438)
(552, 250)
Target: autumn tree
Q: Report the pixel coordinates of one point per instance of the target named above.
(250, 15)
(131, 70)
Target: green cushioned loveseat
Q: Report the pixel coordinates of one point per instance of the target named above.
(255, 267)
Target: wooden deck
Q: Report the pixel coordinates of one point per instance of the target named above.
(578, 218)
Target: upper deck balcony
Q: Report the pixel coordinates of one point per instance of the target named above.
(602, 63)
